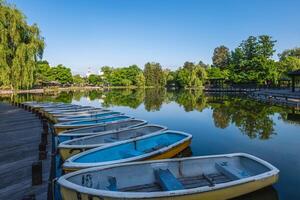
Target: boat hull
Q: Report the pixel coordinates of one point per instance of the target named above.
(167, 154)
(66, 153)
(220, 194)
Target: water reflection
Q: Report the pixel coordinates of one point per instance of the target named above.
(252, 118)
(268, 193)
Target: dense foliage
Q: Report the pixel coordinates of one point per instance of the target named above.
(154, 75)
(221, 57)
(252, 62)
(20, 47)
(44, 74)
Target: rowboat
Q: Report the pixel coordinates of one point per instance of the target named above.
(160, 145)
(63, 109)
(100, 129)
(86, 112)
(59, 127)
(194, 178)
(97, 115)
(75, 146)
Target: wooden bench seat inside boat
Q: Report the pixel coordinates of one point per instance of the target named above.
(231, 171)
(187, 183)
(167, 180)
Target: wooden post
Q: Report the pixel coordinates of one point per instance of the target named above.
(293, 83)
(44, 138)
(42, 155)
(37, 173)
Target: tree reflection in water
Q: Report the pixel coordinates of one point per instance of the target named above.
(252, 118)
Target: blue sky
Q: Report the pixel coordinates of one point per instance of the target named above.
(84, 34)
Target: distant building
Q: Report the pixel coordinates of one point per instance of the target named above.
(89, 73)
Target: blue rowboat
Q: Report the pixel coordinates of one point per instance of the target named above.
(160, 145)
(75, 146)
(59, 127)
(106, 128)
(92, 116)
(194, 178)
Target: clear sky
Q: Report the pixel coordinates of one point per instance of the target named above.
(93, 33)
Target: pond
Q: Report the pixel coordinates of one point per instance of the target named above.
(219, 124)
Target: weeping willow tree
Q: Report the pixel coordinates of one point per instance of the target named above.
(20, 47)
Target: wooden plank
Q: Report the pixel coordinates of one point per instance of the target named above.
(20, 133)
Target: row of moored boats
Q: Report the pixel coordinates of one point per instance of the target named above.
(109, 155)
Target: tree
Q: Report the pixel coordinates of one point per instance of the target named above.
(251, 61)
(20, 47)
(78, 80)
(221, 57)
(42, 72)
(94, 79)
(202, 64)
(216, 72)
(266, 46)
(191, 75)
(288, 64)
(154, 75)
(295, 52)
(61, 74)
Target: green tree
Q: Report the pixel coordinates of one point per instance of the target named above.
(216, 72)
(288, 64)
(94, 79)
(20, 47)
(191, 75)
(221, 57)
(154, 75)
(42, 72)
(78, 80)
(61, 74)
(295, 52)
(251, 61)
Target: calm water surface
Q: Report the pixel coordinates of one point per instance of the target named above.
(219, 124)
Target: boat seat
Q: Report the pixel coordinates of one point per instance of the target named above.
(130, 153)
(112, 183)
(231, 171)
(160, 144)
(167, 180)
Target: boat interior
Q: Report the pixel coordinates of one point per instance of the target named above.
(95, 121)
(117, 136)
(171, 175)
(132, 148)
(90, 116)
(106, 127)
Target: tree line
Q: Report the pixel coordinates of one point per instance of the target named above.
(22, 67)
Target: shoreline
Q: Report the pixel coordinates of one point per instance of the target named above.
(59, 89)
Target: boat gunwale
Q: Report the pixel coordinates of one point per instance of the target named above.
(61, 125)
(69, 164)
(66, 146)
(82, 112)
(273, 171)
(71, 110)
(69, 118)
(69, 132)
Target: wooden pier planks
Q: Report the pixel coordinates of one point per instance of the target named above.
(20, 133)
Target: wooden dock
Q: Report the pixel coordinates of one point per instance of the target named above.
(21, 133)
(278, 97)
